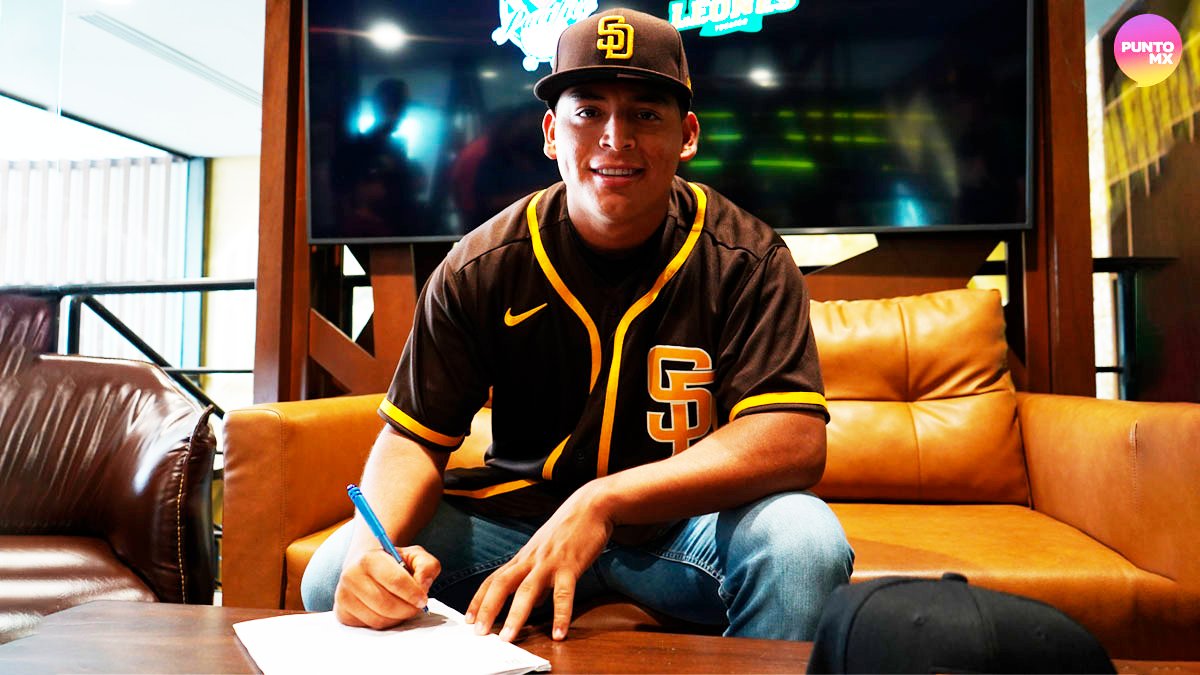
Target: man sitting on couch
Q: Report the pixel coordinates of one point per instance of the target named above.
(657, 401)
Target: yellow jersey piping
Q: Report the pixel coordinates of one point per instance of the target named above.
(809, 397)
(539, 252)
(614, 372)
(492, 491)
(548, 467)
(399, 417)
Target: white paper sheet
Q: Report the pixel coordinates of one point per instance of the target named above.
(438, 642)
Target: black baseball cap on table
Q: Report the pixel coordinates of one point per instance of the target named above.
(618, 44)
(914, 625)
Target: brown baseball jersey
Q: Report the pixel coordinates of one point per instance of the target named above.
(599, 363)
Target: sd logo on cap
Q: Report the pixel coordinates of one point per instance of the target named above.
(601, 47)
(616, 37)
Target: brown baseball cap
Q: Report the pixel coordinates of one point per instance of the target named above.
(617, 44)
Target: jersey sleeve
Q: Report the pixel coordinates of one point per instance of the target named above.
(768, 356)
(441, 381)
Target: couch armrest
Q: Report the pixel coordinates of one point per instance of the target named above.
(157, 510)
(286, 470)
(1125, 473)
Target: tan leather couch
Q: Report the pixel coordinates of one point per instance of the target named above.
(935, 464)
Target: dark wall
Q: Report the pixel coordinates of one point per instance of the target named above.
(1166, 222)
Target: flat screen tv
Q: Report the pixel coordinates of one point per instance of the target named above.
(818, 116)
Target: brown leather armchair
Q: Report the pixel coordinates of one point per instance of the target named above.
(105, 480)
(26, 328)
(935, 463)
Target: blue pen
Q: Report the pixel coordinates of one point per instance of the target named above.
(364, 509)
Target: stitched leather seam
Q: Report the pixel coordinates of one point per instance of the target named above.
(179, 520)
(1019, 405)
(908, 398)
(939, 399)
(179, 514)
(187, 459)
(907, 353)
(1137, 498)
(280, 544)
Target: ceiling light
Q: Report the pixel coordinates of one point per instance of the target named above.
(763, 77)
(387, 36)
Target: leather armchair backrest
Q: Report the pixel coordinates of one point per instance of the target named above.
(111, 449)
(921, 403)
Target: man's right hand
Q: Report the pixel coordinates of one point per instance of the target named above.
(377, 592)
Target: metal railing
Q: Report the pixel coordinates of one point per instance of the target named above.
(79, 296)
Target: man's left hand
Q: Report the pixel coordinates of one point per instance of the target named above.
(554, 558)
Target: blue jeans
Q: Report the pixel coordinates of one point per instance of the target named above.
(762, 570)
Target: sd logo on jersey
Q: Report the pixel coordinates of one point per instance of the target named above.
(679, 377)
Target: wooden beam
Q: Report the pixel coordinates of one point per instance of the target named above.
(280, 344)
(397, 272)
(394, 288)
(356, 371)
(1060, 341)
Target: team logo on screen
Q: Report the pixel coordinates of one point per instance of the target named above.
(679, 377)
(616, 37)
(718, 17)
(534, 26)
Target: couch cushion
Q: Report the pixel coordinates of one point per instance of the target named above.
(41, 575)
(922, 404)
(1018, 550)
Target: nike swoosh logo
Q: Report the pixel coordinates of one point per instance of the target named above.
(510, 320)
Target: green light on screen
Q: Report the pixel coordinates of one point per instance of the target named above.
(783, 164)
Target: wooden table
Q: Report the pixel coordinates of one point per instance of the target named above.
(110, 636)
